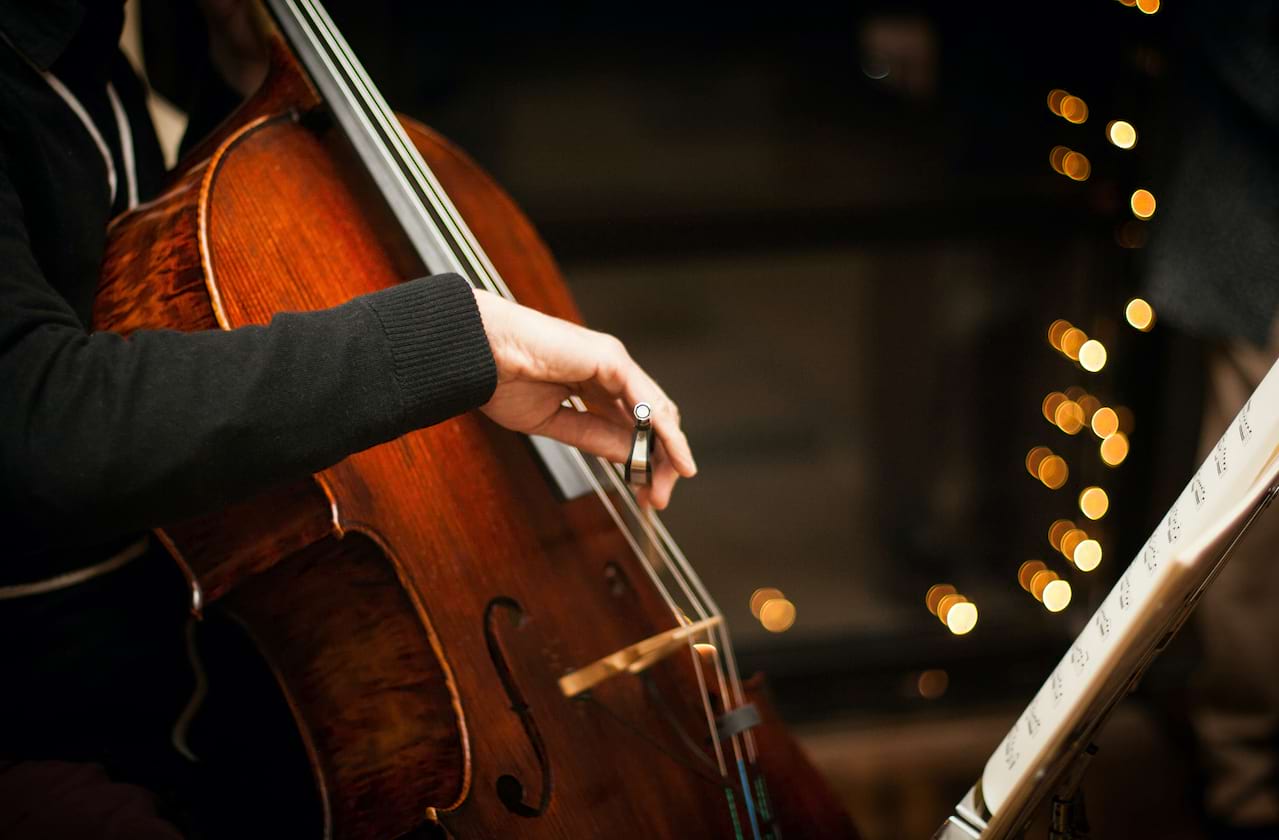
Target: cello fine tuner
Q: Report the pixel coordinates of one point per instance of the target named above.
(639, 464)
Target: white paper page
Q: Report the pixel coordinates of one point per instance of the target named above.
(1220, 483)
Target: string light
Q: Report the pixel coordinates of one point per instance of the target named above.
(1050, 404)
(1142, 203)
(1114, 449)
(1091, 405)
(1053, 472)
(1074, 110)
(1093, 502)
(1034, 458)
(777, 615)
(1073, 339)
(1076, 166)
(1039, 581)
(932, 598)
(763, 595)
(1092, 355)
(1058, 328)
(1087, 555)
(1140, 314)
(1121, 133)
(1056, 595)
(962, 618)
(1071, 540)
(1058, 530)
(1105, 422)
(1027, 571)
(1069, 417)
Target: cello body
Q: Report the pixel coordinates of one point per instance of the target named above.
(418, 601)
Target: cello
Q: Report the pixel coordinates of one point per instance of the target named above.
(477, 634)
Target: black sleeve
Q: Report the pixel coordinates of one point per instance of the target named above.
(101, 435)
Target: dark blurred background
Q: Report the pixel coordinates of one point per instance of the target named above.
(834, 234)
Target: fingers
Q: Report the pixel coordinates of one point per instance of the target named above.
(589, 433)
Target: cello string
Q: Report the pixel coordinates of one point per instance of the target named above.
(376, 107)
(408, 155)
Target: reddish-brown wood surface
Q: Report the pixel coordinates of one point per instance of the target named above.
(419, 600)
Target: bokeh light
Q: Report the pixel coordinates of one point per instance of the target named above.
(1055, 96)
(1074, 109)
(934, 595)
(1105, 422)
(1092, 355)
(1071, 540)
(1057, 329)
(1142, 203)
(1049, 406)
(1140, 314)
(1075, 166)
(1093, 502)
(962, 618)
(1069, 417)
(1087, 555)
(1148, 6)
(1058, 530)
(1073, 339)
(1114, 449)
(1034, 458)
(1121, 133)
(1039, 581)
(762, 595)
(932, 683)
(1056, 595)
(1053, 472)
(1027, 571)
(777, 615)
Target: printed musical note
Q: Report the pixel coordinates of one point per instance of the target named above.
(1201, 494)
(1011, 755)
(1219, 456)
(1245, 428)
(1058, 687)
(1079, 657)
(1103, 623)
(1125, 592)
(1174, 524)
(1032, 721)
(1151, 557)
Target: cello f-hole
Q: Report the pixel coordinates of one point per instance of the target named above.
(510, 790)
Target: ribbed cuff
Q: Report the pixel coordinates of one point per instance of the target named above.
(443, 363)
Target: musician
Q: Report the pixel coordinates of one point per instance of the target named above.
(102, 438)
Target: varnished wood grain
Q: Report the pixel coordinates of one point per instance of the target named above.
(419, 600)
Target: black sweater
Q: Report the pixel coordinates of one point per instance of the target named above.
(101, 436)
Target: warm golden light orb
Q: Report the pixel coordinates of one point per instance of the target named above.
(1049, 406)
(946, 603)
(1121, 133)
(1055, 97)
(1148, 6)
(1039, 582)
(1087, 555)
(1076, 166)
(1056, 595)
(1053, 472)
(1142, 203)
(1058, 328)
(1071, 540)
(1093, 502)
(934, 595)
(1058, 530)
(1073, 339)
(1092, 355)
(1074, 109)
(1069, 417)
(962, 618)
(1034, 458)
(777, 615)
(1027, 571)
(761, 596)
(1114, 449)
(1105, 422)
(1140, 314)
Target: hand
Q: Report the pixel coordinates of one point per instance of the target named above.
(542, 361)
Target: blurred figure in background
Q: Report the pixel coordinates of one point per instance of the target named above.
(1212, 271)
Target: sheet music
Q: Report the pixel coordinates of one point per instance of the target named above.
(1221, 483)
